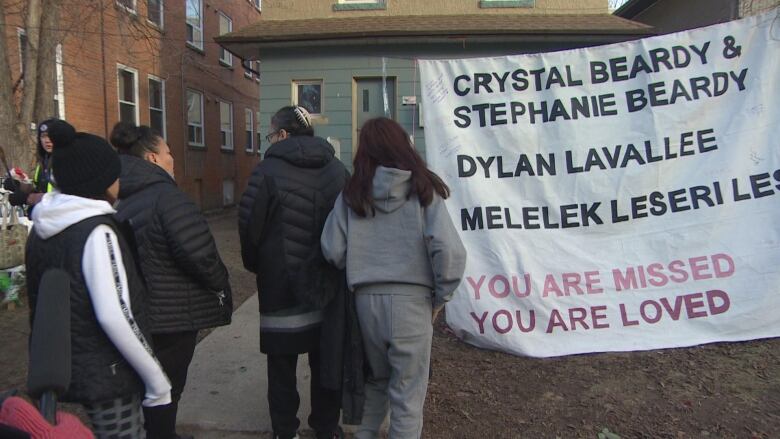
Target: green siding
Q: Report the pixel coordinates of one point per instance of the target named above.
(337, 73)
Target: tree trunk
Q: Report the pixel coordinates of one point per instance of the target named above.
(47, 63)
(8, 115)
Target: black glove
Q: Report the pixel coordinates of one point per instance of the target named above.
(18, 198)
(11, 184)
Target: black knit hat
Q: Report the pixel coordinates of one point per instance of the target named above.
(83, 164)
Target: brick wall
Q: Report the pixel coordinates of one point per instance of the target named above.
(97, 40)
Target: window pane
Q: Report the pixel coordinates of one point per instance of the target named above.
(156, 121)
(127, 113)
(155, 11)
(309, 97)
(129, 4)
(22, 48)
(193, 108)
(155, 94)
(193, 12)
(224, 24)
(126, 92)
(224, 115)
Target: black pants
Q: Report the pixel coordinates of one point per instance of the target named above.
(283, 399)
(174, 351)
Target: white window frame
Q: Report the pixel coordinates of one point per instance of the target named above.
(19, 34)
(320, 82)
(133, 10)
(257, 69)
(230, 137)
(258, 4)
(197, 44)
(164, 132)
(60, 82)
(228, 57)
(202, 119)
(249, 129)
(135, 92)
(162, 15)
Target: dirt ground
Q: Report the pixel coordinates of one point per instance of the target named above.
(723, 390)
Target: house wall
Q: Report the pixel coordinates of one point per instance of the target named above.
(338, 66)
(672, 15)
(301, 9)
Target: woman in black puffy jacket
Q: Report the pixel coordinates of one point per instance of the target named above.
(187, 281)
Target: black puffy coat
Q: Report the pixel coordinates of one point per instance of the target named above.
(186, 279)
(281, 217)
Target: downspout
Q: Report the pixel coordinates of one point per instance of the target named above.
(103, 60)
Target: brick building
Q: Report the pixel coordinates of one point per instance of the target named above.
(154, 62)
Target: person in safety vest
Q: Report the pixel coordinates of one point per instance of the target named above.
(31, 194)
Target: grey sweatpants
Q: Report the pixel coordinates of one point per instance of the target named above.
(397, 334)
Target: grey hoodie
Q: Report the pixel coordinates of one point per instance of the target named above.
(403, 243)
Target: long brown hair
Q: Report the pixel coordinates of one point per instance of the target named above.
(383, 142)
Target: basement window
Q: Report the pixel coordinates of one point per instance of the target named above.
(359, 5)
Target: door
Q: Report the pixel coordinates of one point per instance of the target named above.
(373, 98)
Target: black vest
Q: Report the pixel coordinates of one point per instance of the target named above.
(99, 371)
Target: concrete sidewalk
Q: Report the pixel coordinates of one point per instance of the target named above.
(226, 388)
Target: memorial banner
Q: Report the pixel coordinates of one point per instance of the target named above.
(615, 198)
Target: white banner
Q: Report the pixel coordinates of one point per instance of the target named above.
(616, 198)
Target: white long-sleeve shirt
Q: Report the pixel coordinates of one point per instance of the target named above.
(106, 281)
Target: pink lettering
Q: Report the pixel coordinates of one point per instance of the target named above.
(476, 285)
(724, 299)
(551, 286)
(693, 301)
(592, 281)
(555, 320)
(596, 316)
(504, 289)
(480, 321)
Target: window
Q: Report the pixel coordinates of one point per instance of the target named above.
(127, 87)
(154, 12)
(351, 5)
(258, 4)
(308, 94)
(254, 65)
(506, 4)
(250, 131)
(157, 105)
(257, 131)
(225, 26)
(195, 23)
(226, 125)
(127, 4)
(59, 85)
(195, 118)
(22, 48)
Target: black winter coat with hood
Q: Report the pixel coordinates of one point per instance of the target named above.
(281, 217)
(187, 281)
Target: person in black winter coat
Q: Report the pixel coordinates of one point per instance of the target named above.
(187, 281)
(281, 216)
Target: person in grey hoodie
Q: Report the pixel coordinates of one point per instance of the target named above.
(404, 259)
